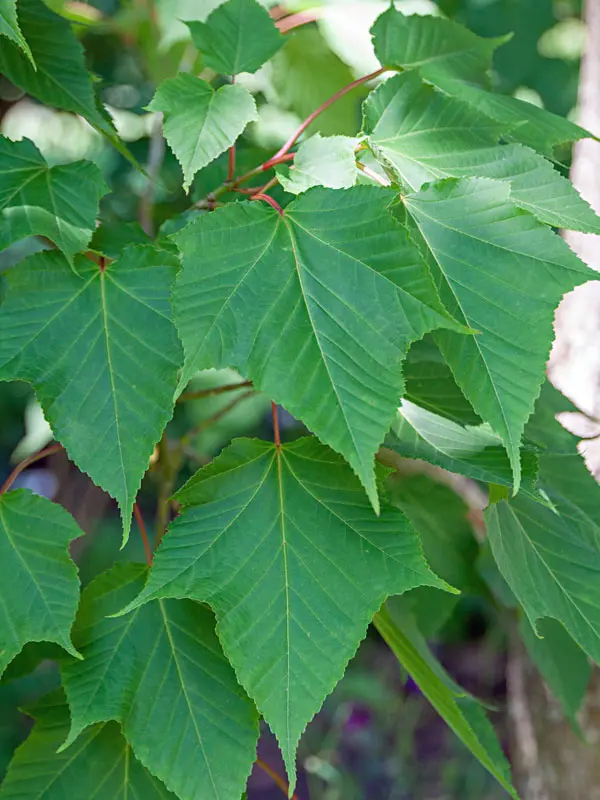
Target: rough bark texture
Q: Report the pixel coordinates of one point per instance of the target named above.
(550, 761)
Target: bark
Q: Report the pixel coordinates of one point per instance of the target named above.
(550, 761)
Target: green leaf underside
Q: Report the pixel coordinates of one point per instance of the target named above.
(431, 385)
(9, 27)
(322, 161)
(433, 45)
(103, 355)
(424, 135)
(318, 308)
(562, 663)
(293, 601)
(161, 673)
(502, 273)
(551, 561)
(101, 764)
(61, 79)
(199, 122)
(238, 36)
(39, 587)
(474, 451)
(460, 712)
(36, 199)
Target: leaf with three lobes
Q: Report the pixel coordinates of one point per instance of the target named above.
(103, 355)
(502, 273)
(161, 673)
(431, 385)
(38, 200)
(423, 135)
(460, 711)
(561, 662)
(551, 560)
(100, 766)
(283, 545)
(474, 451)
(238, 36)
(61, 78)
(9, 27)
(317, 307)
(321, 161)
(39, 587)
(433, 45)
(201, 123)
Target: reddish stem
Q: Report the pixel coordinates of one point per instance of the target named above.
(323, 107)
(276, 431)
(273, 203)
(48, 451)
(372, 174)
(287, 24)
(276, 778)
(229, 387)
(144, 533)
(102, 264)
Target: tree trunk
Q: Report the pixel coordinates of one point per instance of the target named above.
(550, 761)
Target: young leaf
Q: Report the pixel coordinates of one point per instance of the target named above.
(102, 765)
(39, 587)
(431, 385)
(461, 712)
(200, 123)
(433, 45)
(9, 27)
(474, 451)
(289, 596)
(423, 135)
(317, 307)
(322, 161)
(36, 199)
(102, 353)
(238, 36)
(60, 78)
(562, 663)
(511, 302)
(161, 673)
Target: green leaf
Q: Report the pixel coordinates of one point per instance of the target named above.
(440, 517)
(39, 587)
(39, 200)
(9, 27)
(199, 122)
(289, 599)
(563, 665)
(161, 673)
(431, 385)
(511, 302)
(101, 766)
(322, 161)
(238, 36)
(423, 135)
(433, 45)
(61, 78)
(474, 451)
(317, 307)
(462, 714)
(111, 238)
(532, 126)
(107, 392)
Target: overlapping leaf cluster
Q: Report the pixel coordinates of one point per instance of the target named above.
(400, 306)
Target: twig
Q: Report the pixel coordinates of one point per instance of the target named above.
(287, 24)
(143, 532)
(268, 199)
(48, 451)
(276, 778)
(201, 393)
(323, 107)
(206, 423)
(276, 431)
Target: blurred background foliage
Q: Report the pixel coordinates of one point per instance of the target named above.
(376, 737)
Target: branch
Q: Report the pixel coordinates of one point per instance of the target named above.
(48, 451)
(201, 393)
